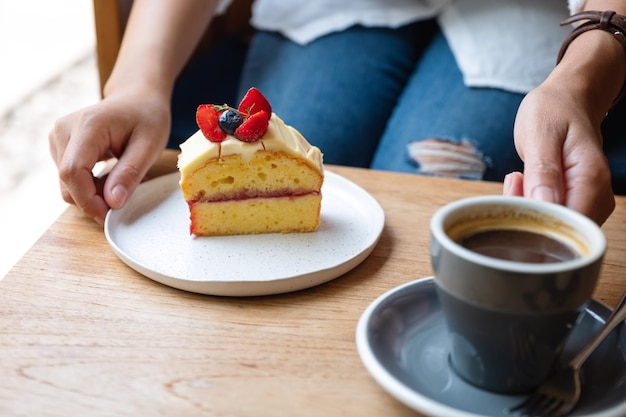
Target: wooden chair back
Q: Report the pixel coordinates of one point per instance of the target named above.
(111, 17)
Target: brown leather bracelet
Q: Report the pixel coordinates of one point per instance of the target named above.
(608, 21)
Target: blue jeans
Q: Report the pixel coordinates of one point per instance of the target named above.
(364, 94)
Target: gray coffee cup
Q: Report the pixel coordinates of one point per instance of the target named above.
(512, 276)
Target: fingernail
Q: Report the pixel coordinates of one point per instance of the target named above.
(120, 194)
(544, 193)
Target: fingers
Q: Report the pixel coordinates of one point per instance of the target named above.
(131, 125)
(70, 175)
(129, 171)
(597, 210)
(582, 182)
(540, 135)
(147, 140)
(80, 188)
(77, 143)
(543, 164)
(577, 197)
(513, 184)
(543, 180)
(589, 188)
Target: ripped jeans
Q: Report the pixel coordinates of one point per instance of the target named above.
(390, 99)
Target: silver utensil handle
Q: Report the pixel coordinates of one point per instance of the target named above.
(617, 316)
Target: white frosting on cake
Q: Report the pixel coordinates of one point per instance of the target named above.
(278, 138)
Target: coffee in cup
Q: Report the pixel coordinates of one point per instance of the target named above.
(512, 275)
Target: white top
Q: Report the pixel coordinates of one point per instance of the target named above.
(508, 44)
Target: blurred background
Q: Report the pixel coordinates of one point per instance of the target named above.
(48, 69)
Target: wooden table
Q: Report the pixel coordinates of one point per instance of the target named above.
(84, 335)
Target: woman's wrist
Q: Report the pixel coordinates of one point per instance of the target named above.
(139, 82)
(594, 67)
(607, 21)
(152, 58)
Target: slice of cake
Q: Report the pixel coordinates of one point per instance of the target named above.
(247, 172)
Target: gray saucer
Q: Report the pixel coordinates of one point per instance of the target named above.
(402, 340)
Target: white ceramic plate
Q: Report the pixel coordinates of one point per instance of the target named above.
(151, 235)
(403, 342)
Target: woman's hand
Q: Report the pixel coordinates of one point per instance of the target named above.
(133, 121)
(132, 126)
(561, 147)
(558, 129)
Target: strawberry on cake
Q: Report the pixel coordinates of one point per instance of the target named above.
(247, 172)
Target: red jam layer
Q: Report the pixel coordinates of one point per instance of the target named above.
(250, 194)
